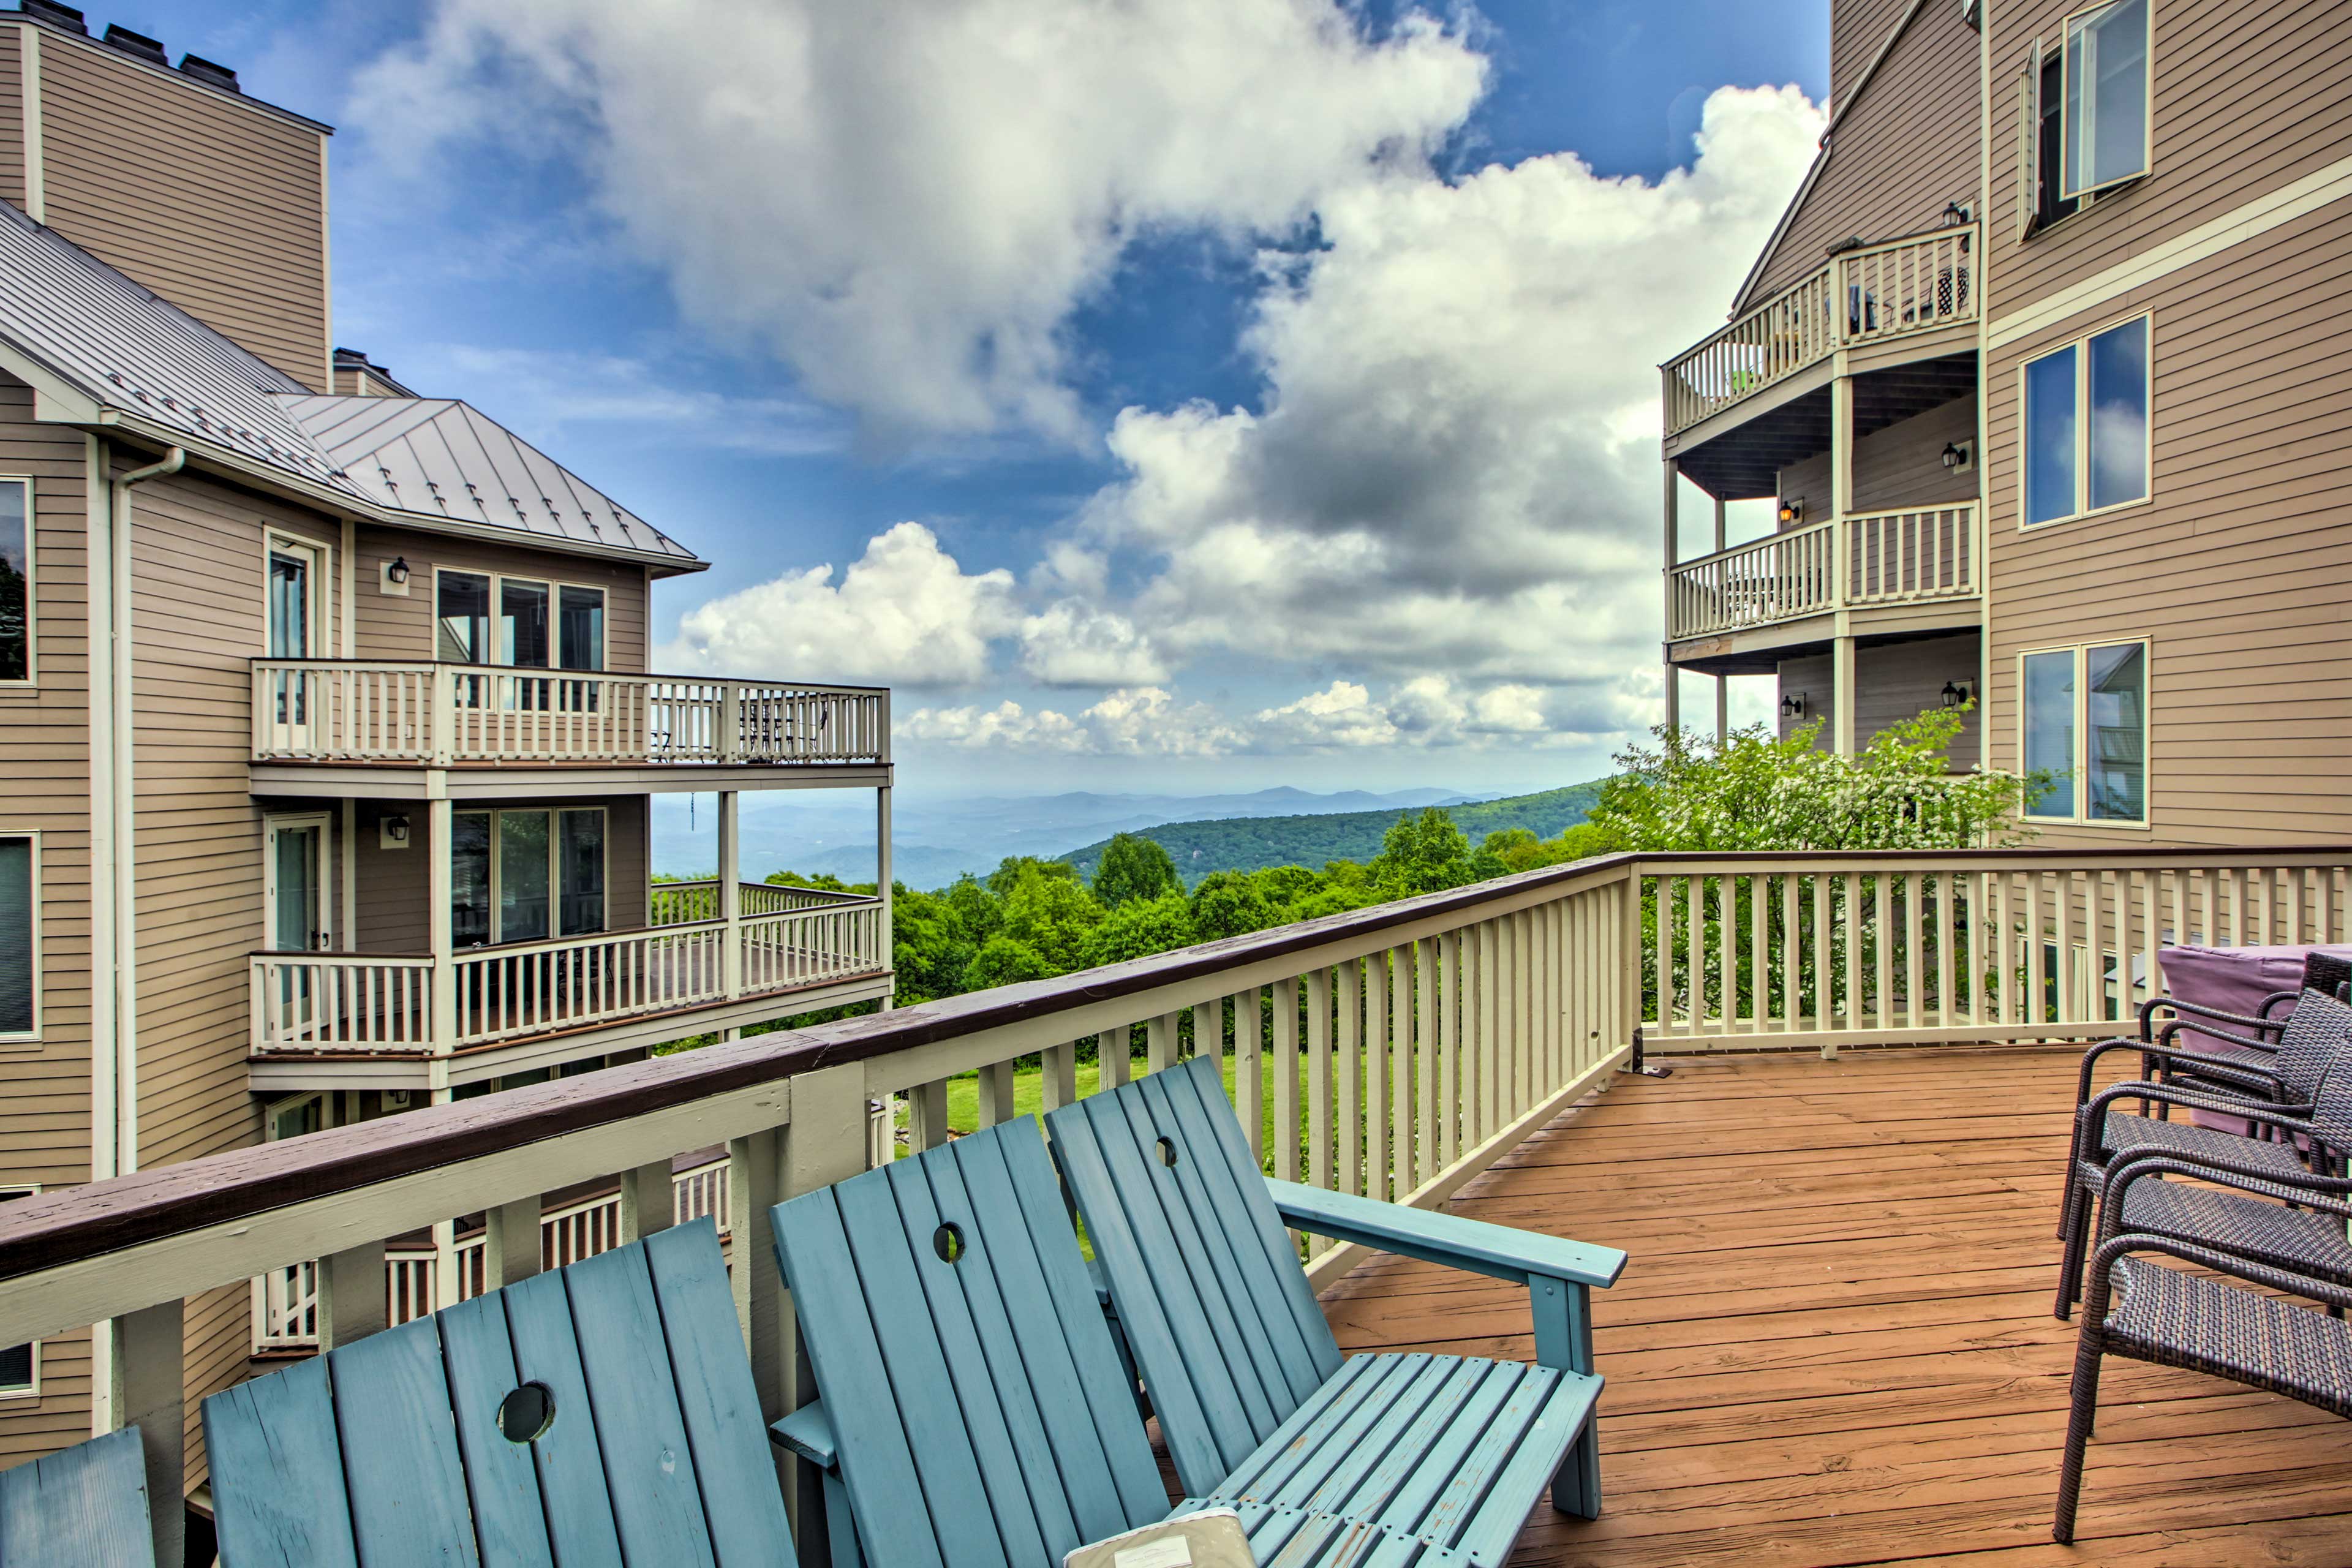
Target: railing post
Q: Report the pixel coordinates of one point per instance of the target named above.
(351, 1294)
(510, 1243)
(731, 893)
(648, 1201)
(442, 692)
(147, 1377)
(727, 745)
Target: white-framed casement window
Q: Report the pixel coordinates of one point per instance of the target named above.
(2084, 124)
(20, 937)
(2084, 418)
(16, 611)
(2082, 716)
(2104, 122)
(20, 1365)
(521, 874)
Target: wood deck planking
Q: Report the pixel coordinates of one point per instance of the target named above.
(1833, 1344)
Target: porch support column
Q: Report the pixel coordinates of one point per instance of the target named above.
(882, 873)
(440, 833)
(1722, 708)
(730, 892)
(1842, 694)
(1672, 550)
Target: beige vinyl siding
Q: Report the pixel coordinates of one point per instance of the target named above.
(12, 116)
(1907, 148)
(218, 207)
(394, 914)
(400, 627)
(44, 735)
(2239, 568)
(1902, 465)
(1858, 29)
(1893, 682)
(2246, 96)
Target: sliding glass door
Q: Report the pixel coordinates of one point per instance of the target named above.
(518, 876)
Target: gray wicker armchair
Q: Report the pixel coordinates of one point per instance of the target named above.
(2291, 1222)
(2102, 1139)
(2246, 1039)
(2152, 1312)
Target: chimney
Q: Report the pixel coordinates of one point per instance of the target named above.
(153, 171)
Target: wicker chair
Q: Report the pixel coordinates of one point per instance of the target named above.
(2152, 1312)
(2321, 1031)
(2249, 1036)
(2286, 1072)
(2296, 1223)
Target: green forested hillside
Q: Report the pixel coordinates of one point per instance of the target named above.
(1250, 844)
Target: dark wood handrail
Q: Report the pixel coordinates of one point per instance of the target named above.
(49, 1229)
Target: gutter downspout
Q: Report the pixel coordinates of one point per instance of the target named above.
(123, 811)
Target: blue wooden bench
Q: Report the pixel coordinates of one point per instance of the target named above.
(604, 1414)
(83, 1507)
(1254, 1400)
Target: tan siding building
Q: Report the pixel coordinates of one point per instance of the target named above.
(321, 797)
(2146, 411)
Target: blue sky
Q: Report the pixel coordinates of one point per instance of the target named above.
(810, 291)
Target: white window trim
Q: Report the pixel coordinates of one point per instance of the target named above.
(554, 865)
(18, 1039)
(555, 586)
(2080, 344)
(32, 581)
(2147, 118)
(31, 1390)
(322, 571)
(2078, 780)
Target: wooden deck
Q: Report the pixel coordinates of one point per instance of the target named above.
(1834, 1343)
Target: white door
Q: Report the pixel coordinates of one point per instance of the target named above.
(292, 592)
(296, 906)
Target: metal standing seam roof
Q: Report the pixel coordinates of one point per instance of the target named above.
(434, 458)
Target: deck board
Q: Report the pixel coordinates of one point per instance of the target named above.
(1833, 1344)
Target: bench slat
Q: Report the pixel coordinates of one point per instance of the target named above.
(509, 1518)
(649, 1468)
(399, 1448)
(280, 1431)
(83, 1507)
(571, 1457)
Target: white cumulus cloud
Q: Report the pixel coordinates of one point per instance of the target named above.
(904, 613)
(907, 198)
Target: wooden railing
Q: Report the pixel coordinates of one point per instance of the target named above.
(343, 710)
(1396, 1051)
(1879, 291)
(286, 1301)
(675, 903)
(1916, 553)
(382, 1004)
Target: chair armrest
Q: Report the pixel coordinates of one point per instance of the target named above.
(808, 1432)
(1451, 1239)
(2243, 1020)
(2287, 1281)
(2093, 1115)
(2153, 1164)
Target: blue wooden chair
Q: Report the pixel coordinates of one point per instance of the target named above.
(604, 1414)
(83, 1507)
(1254, 1400)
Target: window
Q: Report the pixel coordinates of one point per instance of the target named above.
(15, 580)
(2104, 111)
(463, 610)
(511, 872)
(20, 938)
(2085, 424)
(526, 622)
(20, 1365)
(2084, 718)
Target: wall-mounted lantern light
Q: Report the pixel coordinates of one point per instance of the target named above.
(1792, 509)
(391, 833)
(1959, 454)
(1954, 693)
(1954, 214)
(1793, 705)
(398, 569)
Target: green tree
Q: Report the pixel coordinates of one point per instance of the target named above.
(1054, 916)
(1284, 885)
(1231, 903)
(1004, 961)
(1012, 867)
(1423, 854)
(1140, 928)
(1134, 867)
(929, 948)
(978, 911)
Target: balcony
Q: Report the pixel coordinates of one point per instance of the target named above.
(1910, 566)
(378, 1019)
(1831, 1345)
(346, 727)
(1899, 289)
